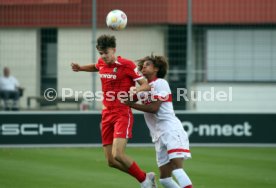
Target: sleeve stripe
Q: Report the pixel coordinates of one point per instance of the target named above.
(139, 78)
(96, 66)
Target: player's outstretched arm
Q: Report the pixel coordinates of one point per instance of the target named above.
(144, 86)
(86, 68)
(153, 107)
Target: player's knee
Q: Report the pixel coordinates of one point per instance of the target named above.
(118, 156)
(111, 163)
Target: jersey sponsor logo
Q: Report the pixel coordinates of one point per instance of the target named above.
(108, 76)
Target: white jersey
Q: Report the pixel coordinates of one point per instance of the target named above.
(164, 120)
(8, 83)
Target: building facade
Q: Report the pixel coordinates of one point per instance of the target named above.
(234, 46)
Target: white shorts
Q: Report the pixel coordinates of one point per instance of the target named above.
(170, 145)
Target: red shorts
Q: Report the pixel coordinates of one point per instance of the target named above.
(116, 123)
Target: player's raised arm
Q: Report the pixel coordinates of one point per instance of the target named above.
(153, 107)
(144, 86)
(86, 68)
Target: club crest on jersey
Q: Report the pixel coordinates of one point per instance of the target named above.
(115, 69)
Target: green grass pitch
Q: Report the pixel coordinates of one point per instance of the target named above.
(86, 167)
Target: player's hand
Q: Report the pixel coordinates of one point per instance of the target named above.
(133, 90)
(127, 102)
(75, 67)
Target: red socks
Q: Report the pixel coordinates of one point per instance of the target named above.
(136, 172)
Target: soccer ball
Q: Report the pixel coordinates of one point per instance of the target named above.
(116, 20)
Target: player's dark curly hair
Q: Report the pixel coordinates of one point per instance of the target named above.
(106, 41)
(158, 61)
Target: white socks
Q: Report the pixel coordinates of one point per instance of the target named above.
(169, 183)
(182, 178)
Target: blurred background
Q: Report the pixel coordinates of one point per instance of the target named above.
(212, 43)
(224, 48)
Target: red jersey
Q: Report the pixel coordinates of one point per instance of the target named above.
(115, 78)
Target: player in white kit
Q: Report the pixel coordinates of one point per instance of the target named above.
(171, 140)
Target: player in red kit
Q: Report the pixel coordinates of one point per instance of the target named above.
(118, 77)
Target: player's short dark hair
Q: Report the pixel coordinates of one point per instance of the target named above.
(106, 41)
(158, 61)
